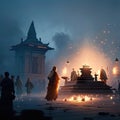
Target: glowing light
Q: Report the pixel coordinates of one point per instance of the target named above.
(114, 70)
(74, 98)
(64, 71)
(64, 76)
(90, 55)
(111, 97)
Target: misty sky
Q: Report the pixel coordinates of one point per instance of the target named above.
(65, 24)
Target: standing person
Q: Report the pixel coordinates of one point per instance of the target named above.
(103, 76)
(18, 85)
(7, 94)
(52, 89)
(29, 86)
(73, 75)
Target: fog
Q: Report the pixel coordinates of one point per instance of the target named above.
(72, 27)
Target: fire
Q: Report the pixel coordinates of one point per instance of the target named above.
(79, 98)
(63, 75)
(92, 56)
(64, 71)
(114, 70)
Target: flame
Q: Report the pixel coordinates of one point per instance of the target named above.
(114, 70)
(79, 98)
(64, 71)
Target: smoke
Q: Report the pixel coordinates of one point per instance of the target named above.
(81, 18)
(75, 54)
(10, 34)
(64, 47)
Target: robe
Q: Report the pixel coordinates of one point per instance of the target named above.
(52, 88)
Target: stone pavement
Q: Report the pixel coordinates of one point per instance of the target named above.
(103, 108)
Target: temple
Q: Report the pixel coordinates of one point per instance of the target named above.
(86, 84)
(30, 56)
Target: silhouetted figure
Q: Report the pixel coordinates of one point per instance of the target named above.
(29, 86)
(73, 75)
(18, 85)
(95, 76)
(52, 89)
(103, 76)
(7, 95)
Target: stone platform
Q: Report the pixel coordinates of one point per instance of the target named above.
(85, 84)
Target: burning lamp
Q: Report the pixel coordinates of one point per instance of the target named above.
(116, 74)
(116, 68)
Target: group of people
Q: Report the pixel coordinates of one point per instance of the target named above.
(53, 84)
(17, 84)
(7, 95)
(52, 88)
(9, 89)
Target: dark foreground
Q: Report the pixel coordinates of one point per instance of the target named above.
(35, 107)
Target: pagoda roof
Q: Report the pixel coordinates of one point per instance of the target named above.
(31, 42)
(37, 46)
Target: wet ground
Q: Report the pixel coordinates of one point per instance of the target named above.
(97, 108)
(80, 107)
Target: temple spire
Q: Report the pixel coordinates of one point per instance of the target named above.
(31, 36)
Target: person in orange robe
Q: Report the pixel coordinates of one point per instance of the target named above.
(52, 88)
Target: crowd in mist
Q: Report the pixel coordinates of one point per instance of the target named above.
(19, 86)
